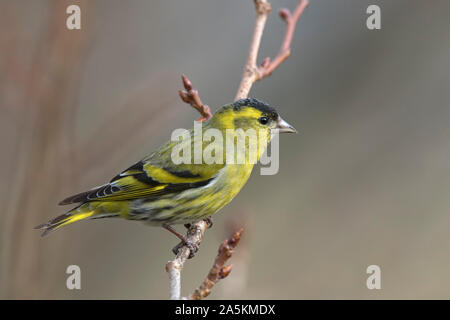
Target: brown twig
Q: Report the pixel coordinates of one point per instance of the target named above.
(252, 72)
(190, 96)
(219, 270)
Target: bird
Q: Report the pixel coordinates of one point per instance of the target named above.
(160, 192)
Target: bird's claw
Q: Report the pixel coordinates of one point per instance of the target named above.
(209, 222)
(193, 248)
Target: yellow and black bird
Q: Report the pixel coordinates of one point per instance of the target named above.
(162, 193)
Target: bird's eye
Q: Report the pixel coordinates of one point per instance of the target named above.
(263, 120)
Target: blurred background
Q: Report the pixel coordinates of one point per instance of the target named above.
(367, 180)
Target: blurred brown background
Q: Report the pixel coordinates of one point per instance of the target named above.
(367, 180)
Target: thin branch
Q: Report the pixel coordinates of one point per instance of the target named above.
(263, 9)
(174, 267)
(191, 96)
(252, 72)
(267, 67)
(218, 270)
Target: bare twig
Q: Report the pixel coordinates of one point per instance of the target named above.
(252, 72)
(191, 97)
(242, 218)
(218, 270)
(263, 9)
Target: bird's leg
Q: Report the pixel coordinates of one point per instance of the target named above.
(193, 247)
(175, 232)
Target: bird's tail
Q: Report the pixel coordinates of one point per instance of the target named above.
(89, 210)
(65, 219)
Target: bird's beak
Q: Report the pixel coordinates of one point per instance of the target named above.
(284, 127)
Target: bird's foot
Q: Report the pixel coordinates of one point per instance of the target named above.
(209, 222)
(192, 246)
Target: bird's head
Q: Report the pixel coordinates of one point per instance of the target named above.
(250, 114)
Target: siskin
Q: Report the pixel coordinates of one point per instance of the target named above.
(162, 193)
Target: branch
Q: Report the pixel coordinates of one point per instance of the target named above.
(174, 267)
(252, 72)
(191, 97)
(218, 270)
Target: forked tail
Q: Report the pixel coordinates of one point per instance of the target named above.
(64, 219)
(88, 210)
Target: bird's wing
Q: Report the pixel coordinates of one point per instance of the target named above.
(154, 176)
(147, 180)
